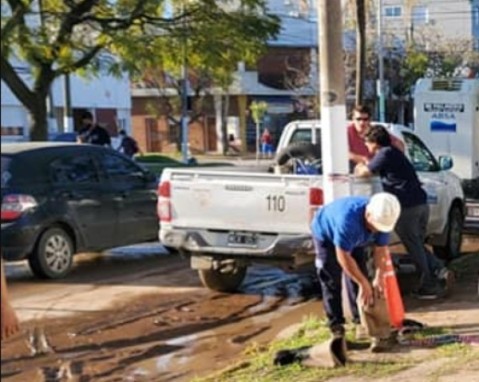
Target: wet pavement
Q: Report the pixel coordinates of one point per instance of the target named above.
(141, 314)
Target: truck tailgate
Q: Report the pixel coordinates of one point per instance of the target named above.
(242, 202)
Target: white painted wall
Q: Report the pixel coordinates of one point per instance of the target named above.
(103, 91)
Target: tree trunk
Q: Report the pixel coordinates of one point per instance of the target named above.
(360, 50)
(39, 122)
(34, 100)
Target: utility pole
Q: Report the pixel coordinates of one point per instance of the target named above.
(380, 87)
(184, 107)
(184, 95)
(67, 108)
(334, 141)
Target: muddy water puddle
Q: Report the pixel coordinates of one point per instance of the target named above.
(167, 336)
(210, 350)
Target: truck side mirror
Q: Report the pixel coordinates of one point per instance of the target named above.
(445, 162)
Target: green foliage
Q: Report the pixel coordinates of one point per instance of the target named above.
(258, 110)
(80, 36)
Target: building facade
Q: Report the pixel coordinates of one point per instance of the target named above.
(285, 78)
(107, 97)
(432, 23)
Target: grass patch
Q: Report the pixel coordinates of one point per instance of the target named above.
(155, 158)
(256, 364)
(455, 350)
(461, 356)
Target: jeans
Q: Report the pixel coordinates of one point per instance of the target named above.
(330, 275)
(411, 229)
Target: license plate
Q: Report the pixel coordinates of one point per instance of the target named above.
(242, 239)
(473, 211)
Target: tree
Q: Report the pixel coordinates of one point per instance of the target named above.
(72, 34)
(213, 44)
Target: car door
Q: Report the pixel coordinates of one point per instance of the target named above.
(433, 179)
(135, 197)
(78, 189)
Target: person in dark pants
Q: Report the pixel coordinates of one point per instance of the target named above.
(338, 228)
(399, 177)
(128, 145)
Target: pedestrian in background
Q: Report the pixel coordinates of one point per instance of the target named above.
(92, 133)
(9, 319)
(399, 178)
(128, 145)
(266, 144)
(337, 229)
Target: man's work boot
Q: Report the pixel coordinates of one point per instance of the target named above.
(380, 345)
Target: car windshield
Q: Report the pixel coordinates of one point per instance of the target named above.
(5, 173)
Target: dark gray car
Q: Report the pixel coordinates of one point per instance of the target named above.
(59, 199)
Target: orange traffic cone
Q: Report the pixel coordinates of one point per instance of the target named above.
(392, 292)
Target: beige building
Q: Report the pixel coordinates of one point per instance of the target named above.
(432, 23)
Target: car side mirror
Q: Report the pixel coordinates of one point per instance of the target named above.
(445, 162)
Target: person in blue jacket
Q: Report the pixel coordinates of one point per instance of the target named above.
(338, 228)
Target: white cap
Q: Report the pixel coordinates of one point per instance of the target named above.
(383, 210)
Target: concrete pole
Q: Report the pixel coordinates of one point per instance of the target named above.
(184, 98)
(67, 107)
(184, 111)
(218, 122)
(333, 109)
(382, 107)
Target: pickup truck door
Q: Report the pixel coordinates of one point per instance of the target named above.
(434, 180)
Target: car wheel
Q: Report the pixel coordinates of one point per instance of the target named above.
(53, 254)
(452, 248)
(225, 279)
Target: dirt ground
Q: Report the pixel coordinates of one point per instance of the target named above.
(183, 330)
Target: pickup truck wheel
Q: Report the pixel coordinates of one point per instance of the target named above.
(300, 150)
(227, 279)
(452, 248)
(53, 254)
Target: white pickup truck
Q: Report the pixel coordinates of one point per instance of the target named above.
(225, 220)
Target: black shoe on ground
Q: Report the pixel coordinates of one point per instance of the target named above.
(429, 292)
(381, 345)
(337, 331)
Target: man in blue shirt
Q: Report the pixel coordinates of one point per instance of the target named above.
(399, 177)
(337, 229)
